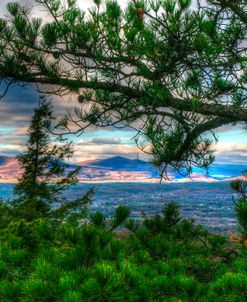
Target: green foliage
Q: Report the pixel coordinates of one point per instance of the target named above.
(241, 214)
(165, 223)
(74, 262)
(98, 219)
(232, 286)
(240, 207)
(50, 34)
(120, 216)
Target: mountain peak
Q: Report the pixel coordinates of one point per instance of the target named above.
(115, 162)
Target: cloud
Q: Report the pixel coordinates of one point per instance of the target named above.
(106, 141)
(231, 147)
(11, 149)
(231, 153)
(86, 152)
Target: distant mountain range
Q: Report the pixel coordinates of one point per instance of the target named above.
(120, 168)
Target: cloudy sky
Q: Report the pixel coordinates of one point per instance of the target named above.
(17, 107)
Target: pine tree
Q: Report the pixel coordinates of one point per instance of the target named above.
(45, 173)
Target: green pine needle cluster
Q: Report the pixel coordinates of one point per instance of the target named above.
(165, 258)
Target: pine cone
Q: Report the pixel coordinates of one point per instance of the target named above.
(140, 13)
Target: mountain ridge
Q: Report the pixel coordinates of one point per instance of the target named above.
(119, 168)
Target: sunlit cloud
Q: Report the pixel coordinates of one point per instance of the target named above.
(86, 152)
(231, 147)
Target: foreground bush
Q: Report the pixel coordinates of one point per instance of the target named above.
(164, 259)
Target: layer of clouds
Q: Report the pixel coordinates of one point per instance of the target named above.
(16, 111)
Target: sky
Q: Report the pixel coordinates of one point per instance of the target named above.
(16, 110)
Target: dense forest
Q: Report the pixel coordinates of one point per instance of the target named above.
(164, 259)
(173, 71)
